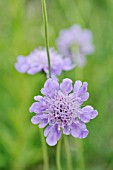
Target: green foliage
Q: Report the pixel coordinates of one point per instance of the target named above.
(22, 31)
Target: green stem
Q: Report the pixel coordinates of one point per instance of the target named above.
(79, 73)
(44, 150)
(80, 155)
(44, 146)
(46, 34)
(58, 155)
(68, 155)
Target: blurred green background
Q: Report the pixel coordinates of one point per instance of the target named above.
(21, 30)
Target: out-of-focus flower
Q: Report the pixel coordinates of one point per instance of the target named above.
(60, 111)
(37, 61)
(76, 43)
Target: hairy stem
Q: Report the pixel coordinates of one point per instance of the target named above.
(46, 35)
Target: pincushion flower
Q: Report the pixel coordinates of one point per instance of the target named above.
(37, 61)
(76, 43)
(60, 110)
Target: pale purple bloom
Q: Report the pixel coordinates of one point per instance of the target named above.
(76, 43)
(37, 61)
(61, 111)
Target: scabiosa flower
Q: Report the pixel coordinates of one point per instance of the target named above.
(37, 61)
(61, 111)
(76, 43)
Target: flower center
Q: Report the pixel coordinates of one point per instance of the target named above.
(62, 109)
(42, 59)
(74, 49)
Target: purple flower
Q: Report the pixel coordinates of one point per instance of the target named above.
(37, 61)
(76, 43)
(60, 111)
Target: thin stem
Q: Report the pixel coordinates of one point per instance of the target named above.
(44, 150)
(68, 155)
(46, 34)
(80, 155)
(58, 155)
(79, 73)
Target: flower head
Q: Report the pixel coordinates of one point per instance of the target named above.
(37, 61)
(76, 43)
(60, 111)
